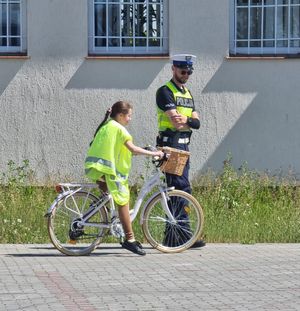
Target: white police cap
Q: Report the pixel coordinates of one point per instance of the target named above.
(183, 60)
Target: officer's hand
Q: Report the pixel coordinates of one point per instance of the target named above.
(179, 119)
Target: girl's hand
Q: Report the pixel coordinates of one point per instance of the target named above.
(158, 154)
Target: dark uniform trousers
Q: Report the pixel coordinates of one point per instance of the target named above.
(177, 236)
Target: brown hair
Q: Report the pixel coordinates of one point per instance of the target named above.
(120, 107)
(117, 108)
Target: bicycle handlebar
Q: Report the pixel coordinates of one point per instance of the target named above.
(156, 160)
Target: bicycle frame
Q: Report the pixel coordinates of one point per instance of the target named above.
(154, 180)
(68, 189)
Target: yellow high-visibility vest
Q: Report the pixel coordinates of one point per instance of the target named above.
(183, 106)
(108, 153)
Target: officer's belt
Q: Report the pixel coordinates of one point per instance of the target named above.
(185, 140)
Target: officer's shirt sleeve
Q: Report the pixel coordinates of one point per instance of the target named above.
(165, 99)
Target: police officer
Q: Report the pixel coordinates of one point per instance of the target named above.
(177, 117)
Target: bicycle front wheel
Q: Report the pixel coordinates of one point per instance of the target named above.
(64, 229)
(177, 236)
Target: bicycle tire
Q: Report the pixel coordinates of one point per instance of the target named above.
(173, 238)
(62, 225)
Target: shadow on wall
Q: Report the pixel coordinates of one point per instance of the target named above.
(116, 74)
(8, 70)
(266, 135)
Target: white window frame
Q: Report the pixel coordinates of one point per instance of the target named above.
(234, 50)
(121, 50)
(22, 48)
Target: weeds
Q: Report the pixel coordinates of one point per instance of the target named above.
(248, 207)
(22, 206)
(241, 206)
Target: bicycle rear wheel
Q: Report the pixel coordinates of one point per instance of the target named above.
(175, 237)
(64, 230)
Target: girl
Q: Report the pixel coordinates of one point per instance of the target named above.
(109, 156)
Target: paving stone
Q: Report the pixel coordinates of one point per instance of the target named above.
(216, 277)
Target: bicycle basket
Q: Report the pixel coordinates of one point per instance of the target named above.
(176, 161)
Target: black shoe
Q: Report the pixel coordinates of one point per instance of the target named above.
(134, 247)
(199, 243)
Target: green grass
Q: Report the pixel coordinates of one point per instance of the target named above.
(239, 206)
(248, 207)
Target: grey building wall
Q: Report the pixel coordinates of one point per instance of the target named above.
(51, 103)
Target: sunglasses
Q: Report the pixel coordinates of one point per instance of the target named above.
(186, 72)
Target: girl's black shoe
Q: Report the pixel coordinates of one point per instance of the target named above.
(134, 247)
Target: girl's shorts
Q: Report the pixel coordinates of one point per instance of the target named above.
(118, 188)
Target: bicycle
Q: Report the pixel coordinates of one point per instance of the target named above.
(172, 220)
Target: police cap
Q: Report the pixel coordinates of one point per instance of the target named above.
(184, 61)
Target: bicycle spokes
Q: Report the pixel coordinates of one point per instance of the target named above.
(173, 234)
(68, 232)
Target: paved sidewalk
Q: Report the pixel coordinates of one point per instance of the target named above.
(216, 277)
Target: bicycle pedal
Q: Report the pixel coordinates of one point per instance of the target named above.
(72, 242)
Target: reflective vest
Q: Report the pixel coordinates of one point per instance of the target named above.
(108, 154)
(184, 105)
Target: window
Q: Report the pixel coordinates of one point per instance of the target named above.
(265, 27)
(128, 27)
(12, 26)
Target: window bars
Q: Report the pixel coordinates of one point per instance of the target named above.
(12, 26)
(128, 27)
(265, 27)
